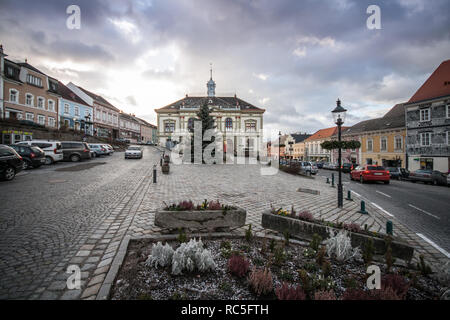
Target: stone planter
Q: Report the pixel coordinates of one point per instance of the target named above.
(165, 168)
(305, 230)
(200, 219)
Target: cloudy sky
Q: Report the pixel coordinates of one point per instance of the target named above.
(293, 58)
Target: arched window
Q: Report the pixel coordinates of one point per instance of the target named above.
(228, 124)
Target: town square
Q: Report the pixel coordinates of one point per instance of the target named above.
(151, 150)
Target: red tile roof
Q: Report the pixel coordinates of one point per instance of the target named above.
(437, 85)
(324, 133)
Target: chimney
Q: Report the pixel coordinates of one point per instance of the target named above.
(1, 49)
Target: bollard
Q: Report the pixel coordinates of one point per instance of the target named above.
(332, 180)
(160, 161)
(328, 180)
(389, 228)
(349, 196)
(363, 208)
(154, 173)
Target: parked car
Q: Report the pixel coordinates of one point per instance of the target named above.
(370, 173)
(75, 151)
(319, 165)
(33, 157)
(11, 163)
(428, 176)
(133, 152)
(308, 167)
(347, 167)
(98, 149)
(52, 149)
(448, 180)
(394, 172)
(109, 148)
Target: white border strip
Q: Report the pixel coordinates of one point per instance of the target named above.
(445, 253)
(377, 206)
(426, 212)
(384, 194)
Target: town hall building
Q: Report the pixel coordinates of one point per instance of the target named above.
(239, 122)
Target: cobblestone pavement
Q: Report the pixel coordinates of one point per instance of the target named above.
(52, 219)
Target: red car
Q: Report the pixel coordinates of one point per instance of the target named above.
(370, 173)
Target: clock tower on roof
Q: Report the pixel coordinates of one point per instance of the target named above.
(211, 85)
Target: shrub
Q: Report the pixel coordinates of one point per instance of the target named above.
(272, 245)
(368, 251)
(279, 256)
(355, 294)
(190, 256)
(325, 295)
(423, 267)
(181, 236)
(286, 237)
(248, 233)
(326, 268)
(161, 255)
(305, 215)
(397, 283)
(225, 245)
(340, 247)
(238, 265)
(321, 255)
(353, 227)
(261, 281)
(287, 292)
(315, 242)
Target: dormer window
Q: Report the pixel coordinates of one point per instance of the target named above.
(33, 80)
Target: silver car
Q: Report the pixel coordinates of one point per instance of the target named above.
(133, 152)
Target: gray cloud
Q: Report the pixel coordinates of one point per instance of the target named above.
(337, 56)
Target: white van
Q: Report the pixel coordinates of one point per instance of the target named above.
(53, 149)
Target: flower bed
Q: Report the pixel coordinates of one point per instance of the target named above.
(303, 225)
(261, 269)
(208, 215)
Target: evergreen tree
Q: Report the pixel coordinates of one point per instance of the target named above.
(207, 121)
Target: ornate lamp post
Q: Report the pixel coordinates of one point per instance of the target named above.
(279, 146)
(339, 118)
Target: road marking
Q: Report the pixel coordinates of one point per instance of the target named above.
(426, 212)
(356, 193)
(377, 206)
(384, 194)
(434, 245)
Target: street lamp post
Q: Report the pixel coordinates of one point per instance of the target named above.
(279, 148)
(339, 118)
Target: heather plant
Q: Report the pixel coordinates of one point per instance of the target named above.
(238, 265)
(286, 276)
(340, 247)
(424, 268)
(320, 282)
(161, 255)
(397, 283)
(305, 215)
(186, 205)
(272, 245)
(325, 295)
(353, 227)
(288, 292)
(261, 282)
(315, 242)
(181, 236)
(214, 205)
(225, 244)
(190, 256)
(387, 293)
(309, 253)
(305, 280)
(286, 235)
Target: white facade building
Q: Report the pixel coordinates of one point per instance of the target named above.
(239, 122)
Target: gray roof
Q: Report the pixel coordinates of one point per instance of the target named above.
(225, 102)
(300, 137)
(395, 118)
